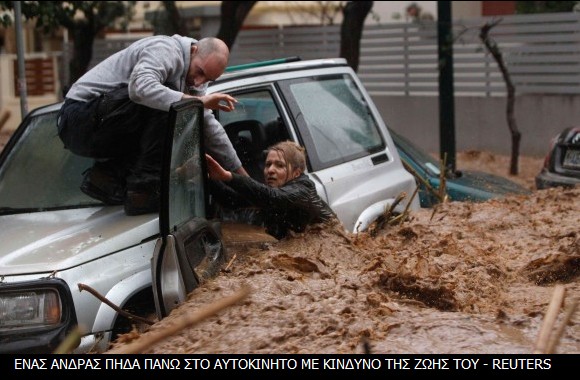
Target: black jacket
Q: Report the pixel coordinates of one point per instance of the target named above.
(290, 207)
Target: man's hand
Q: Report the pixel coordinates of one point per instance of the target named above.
(223, 102)
(215, 170)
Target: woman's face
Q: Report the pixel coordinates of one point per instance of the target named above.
(276, 169)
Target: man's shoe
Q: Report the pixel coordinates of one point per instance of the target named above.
(141, 202)
(99, 184)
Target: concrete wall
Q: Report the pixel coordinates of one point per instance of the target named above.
(481, 123)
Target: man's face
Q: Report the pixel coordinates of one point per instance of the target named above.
(203, 70)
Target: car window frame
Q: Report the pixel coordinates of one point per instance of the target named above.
(304, 132)
(183, 111)
(189, 249)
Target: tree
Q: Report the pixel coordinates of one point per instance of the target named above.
(325, 11)
(414, 13)
(95, 16)
(233, 14)
(169, 21)
(175, 21)
(354, 13)
(492, 47)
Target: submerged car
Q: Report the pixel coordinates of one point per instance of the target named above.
(562, 163)
(459, 185)
(323, 106)
(60, 248)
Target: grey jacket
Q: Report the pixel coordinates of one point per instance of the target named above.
(154, 69)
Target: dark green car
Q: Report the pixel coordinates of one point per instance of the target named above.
(464, 185)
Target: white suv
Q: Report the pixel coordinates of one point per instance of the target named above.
(58, 245)
(322, 105)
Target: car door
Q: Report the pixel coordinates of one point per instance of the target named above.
(348, 146)
(190, 248)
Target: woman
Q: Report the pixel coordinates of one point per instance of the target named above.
(289, 201)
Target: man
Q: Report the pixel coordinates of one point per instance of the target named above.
(117, 113)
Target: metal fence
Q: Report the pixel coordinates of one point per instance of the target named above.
(541, 52)
(398, 64)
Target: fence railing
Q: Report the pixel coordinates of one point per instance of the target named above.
(541, 52)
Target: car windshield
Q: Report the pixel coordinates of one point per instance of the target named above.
(38, 173)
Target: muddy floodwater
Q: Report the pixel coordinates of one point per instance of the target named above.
(462, 278)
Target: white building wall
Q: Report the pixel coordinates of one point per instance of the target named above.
(304, 12)
(391, 11)
(465, 9)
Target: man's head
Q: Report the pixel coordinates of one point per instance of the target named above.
(286, 160)
(209, 58)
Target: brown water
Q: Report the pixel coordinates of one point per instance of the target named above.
(467, 278)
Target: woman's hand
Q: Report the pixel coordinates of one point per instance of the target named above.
(215, 170)
(219, 101)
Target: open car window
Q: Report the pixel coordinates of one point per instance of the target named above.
(254, 126)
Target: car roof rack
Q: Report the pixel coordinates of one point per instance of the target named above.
(275, 66)
(262, 63)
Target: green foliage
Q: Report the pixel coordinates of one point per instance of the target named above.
(50, 15)
(83, 20)
(5, 20)
(526, 7)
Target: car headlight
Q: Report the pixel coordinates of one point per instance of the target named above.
(30, 309)
(35, 315)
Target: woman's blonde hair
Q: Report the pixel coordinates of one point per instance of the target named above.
(293, 153)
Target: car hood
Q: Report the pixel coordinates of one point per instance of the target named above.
(55, 240)
(485, 185)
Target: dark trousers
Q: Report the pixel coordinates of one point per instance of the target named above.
(125, 136)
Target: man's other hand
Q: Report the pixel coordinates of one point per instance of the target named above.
(218, 101)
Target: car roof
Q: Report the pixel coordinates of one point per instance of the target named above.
(276, 66)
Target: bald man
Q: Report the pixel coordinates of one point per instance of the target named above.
(117, 111)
